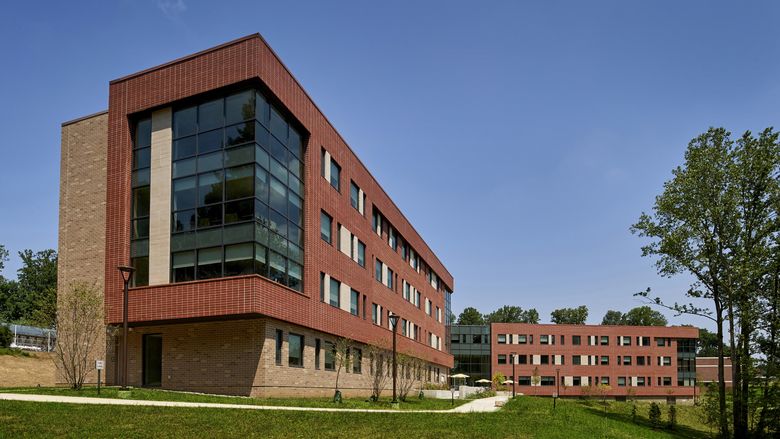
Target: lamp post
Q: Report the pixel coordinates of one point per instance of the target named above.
(127, 274)
(394, 321)
(512, 357)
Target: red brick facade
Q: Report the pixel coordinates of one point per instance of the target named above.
(563, 346)
(250, 61)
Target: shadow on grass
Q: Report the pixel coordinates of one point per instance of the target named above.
(679, 431)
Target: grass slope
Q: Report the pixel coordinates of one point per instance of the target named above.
(525, 417)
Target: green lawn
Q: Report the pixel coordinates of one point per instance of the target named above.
(413, 403)
(525, 417)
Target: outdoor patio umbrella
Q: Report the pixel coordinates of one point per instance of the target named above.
(459, 376)
(507, 382)
(483, 381)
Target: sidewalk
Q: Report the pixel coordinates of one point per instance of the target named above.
(477, 406)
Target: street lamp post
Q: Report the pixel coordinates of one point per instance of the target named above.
(127, 274)
(394, 321)
(513, 356)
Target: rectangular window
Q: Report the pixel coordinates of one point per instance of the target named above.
(524, 380)
(317, 348)
(547, 381)
(354, 197)
(295, 350)
(576, 340)
(604, 360)
(545, 359)
(417, 299)
(376, 316)
(354, 306)
(522, 339)
(330, 356)
(640, 360)
(544, 339)
(563, 340)
(326, 227)
(626, 340)
(621, 381)
(501, 358)
(279, 341)
(576, 360)
(335, 288)
(522, 359)
(501, 338)
(378, 270)
(361, 253)
(357, 360)
(605, 381)
(605, 340)
(389, 278)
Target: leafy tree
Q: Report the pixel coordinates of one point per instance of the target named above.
(643, 316)
(707, 345)
(654, 414)
(612, 318)
(6, 337)
(343, 359)
(672, 417)
(512, 314)
(379, 362)
(536, 379)
(3, 260)
(717, 221)
(570, 316)
(38, 286)
(498, 380)
(79, 324)
(470, 316)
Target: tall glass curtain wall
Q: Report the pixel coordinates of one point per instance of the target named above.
(139, 226)
(237, 191)
(686, 362)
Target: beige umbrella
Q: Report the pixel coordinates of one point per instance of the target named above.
(482, 381)
(507, 382)
(459, 376)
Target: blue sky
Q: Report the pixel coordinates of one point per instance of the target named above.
(537, 131)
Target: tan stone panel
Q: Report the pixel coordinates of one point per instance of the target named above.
(160, 198)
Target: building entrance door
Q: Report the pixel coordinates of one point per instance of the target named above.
(152, 361)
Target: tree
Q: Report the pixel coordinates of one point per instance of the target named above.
(717, 221)
(512, 314)
(79, 323)
(6, 337)
(654, 414)
(470, 316)
(409, 373)
(612, 318)
(3, 260)
(498, 380)
(536, 379)
(643, 316)
(343, 359)
(377, 358)
(672, 417)
(570, 316)
(707, 344)
(38, 285)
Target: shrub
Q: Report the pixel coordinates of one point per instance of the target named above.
(672, 417)
(6, 337)
(654, 415)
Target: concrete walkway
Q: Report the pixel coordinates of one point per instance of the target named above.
(475, 406)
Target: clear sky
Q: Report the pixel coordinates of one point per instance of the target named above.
(520, 138)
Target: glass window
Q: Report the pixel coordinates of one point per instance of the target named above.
(240, 155)
(209, 188)
(277, 268)
(378, 270)
(330, 356)
(501, 358)
(239, 133)
(354, 193)
(278, 196)
(390, 278)
(326, 227)
(361, 248)
(183, 168)
(239, 107)
(604, 340)
(501, 338)
(239, 259)
(335, 175)
(184, 122)
(183, 148)
(604, 359)
(279, 342)
(239, 182)
(353, 302)
(210, 115)
(141, 275)
(278, 126)
(211, 141)
(576, 340)
(317, 350)
(209, 263)
(335, 288)
(183, 264)
(140, 202)
(295, 350)
(242, 210)
(294, 275)
(357, 360)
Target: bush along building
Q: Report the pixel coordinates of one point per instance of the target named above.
(257, 236)
(582, 360)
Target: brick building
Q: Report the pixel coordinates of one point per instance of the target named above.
(641, 361)
(257, 236)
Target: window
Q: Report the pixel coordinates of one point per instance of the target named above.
(378, 270)
(664, 361)
(524, 380)
(626, 360)
(237, 191)
(389, 278)
(326, 227)
(604, 360)
(626, 340)
(547, 381)
(279, 341)
(335, 175)
(357, 360)
(376, 316)
(640, 360)
(605, 381)
(522, 339)
(295, 350)
(417, 299)
(545, 359)
(330, 356)
(140, 204)
(576, 360)
(544, 339)
(501, 358)
(576, 340)
(355, 195)
(501, 338)
(361, 253)
(563, 340)
(317, 353)
(522, 359)
(605, 340)
(640, 381)
(353, 302)
(335, 297)
(661, 342)
(621, 381)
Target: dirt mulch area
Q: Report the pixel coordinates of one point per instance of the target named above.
(18, 371)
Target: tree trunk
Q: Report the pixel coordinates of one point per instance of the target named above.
(736, 374)
(724, 422)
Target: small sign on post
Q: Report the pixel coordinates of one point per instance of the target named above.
(99, 365)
